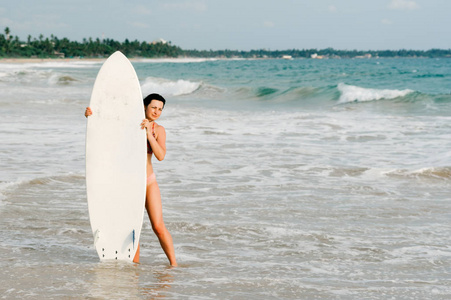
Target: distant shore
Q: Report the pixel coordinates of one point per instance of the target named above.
(12, 49)
(26, 60)
(23, 60)
(39, 60)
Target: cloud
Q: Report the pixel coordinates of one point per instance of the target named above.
(269, 24)
(139, 25)
(141, 10)
(43, 22)
(403, 5)
(4, 21)
(199, 6)
(332, 8)
(386, 22)
(48, 21)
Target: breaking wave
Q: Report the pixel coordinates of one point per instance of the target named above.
(169, 87)
(182, 60)
(441, 173)
(35, 77)
(351, 93)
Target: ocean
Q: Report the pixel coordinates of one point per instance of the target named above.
(283, 179)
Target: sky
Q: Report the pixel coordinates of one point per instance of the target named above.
(239, 24)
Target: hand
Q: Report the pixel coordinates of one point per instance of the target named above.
(146, 124)
(88, 112)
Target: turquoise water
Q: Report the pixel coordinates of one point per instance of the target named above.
(410, 84)
(426, 76)
(299, 179)
(423, 75)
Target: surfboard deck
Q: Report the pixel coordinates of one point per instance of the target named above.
(116, 160)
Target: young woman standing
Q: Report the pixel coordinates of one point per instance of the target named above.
(156, 146)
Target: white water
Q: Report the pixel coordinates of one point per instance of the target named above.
(340, 202)
(350, 93)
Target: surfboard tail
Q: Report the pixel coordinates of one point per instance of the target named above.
(96, 237)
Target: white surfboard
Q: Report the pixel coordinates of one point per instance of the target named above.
(116, 160)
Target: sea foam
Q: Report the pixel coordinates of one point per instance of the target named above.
(168, 87)
(351, 93)
(174, 60)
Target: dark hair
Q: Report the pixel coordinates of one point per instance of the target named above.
(151, 97)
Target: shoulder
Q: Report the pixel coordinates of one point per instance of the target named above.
(159, 129)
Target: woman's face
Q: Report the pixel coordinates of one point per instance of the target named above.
(154, 110)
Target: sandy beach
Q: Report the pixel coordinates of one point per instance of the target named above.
(100, 60)
(41, 60)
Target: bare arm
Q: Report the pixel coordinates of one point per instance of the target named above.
(157, 143)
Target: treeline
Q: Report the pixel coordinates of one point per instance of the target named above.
(52, 47)
(320, 53)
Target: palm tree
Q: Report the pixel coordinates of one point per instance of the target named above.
(7, 32)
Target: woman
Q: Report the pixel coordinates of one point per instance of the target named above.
(156, 145)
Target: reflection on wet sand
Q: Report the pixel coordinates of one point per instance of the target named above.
(158, 289)
(129, 281)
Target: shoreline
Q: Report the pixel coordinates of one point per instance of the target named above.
(40, 60)
(100, 60)
(180, 59)
(25, 60)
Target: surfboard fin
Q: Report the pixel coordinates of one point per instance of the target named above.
(96, 237)
(133, 239)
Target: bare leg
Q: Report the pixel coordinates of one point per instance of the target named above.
(155, 211)
(136, 258)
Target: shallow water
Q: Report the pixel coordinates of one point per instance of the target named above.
(283, 179)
